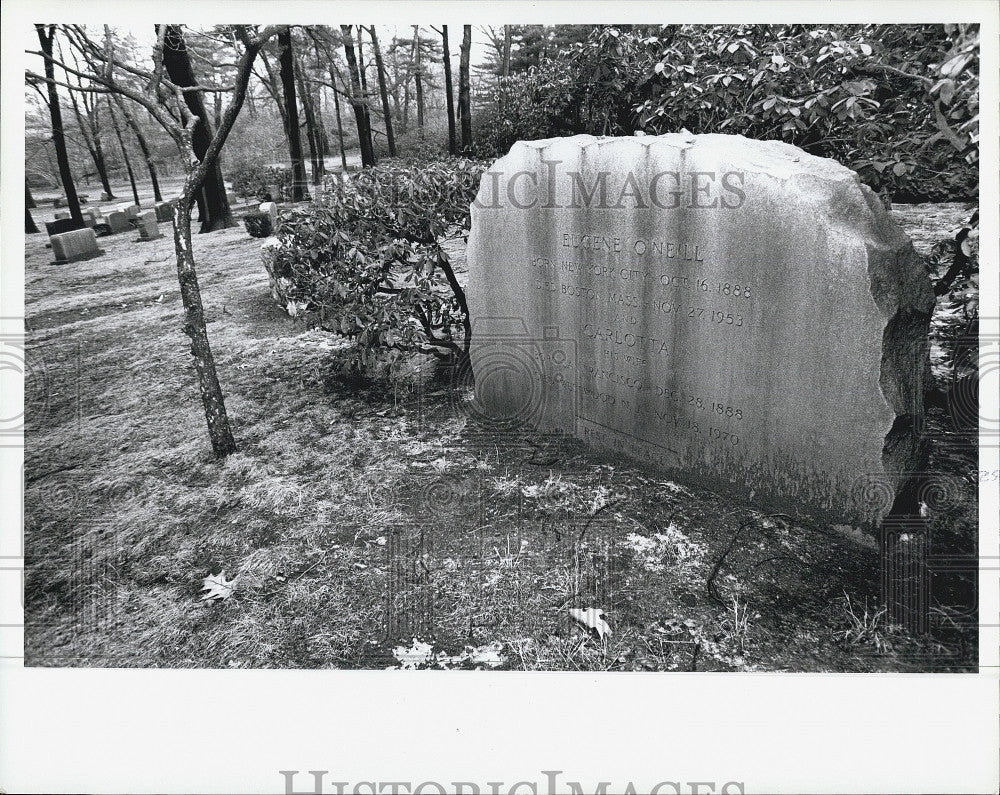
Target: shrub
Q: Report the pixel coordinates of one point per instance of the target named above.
(258, 224)
(899, 104)
(368, 260)
(254, 180)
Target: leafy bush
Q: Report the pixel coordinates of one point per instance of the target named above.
(368, 261)
(897, 103)
(258, 224)
(254, 180)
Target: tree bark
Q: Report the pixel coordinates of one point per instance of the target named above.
(212, 200)
(92, 140)
(128, 165)
(212, 399)
(315, 162)
(505, 66)
(383, 91)
(340, 123)
(464, 99)
(449, 92)
(29, 222)
(199, 169)
(287, 70)
(45, 39)
(143, 146)
(417, 82)
(364, 86)
(357, 100)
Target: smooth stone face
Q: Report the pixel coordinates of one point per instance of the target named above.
(731, 311)
(61, 215)
(119, 222)
(148, 228)
(76, 245)
(131, 210)
(271, 209)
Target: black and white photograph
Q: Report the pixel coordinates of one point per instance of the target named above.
(443, 349)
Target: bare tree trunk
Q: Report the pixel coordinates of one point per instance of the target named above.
(311, 138)
(121, 143)
(45, 39)
(417, 82)
(143, 146)
(380, 66)
(92, 140)
(212, 399)
(29, 203)
(464, 99)
(340, 124)
(505, 66)
(212, 200)
(287, 68)
(357, 101)
(449, 92)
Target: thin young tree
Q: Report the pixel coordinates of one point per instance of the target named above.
(46, 39)
(168, 103)
(418, 83)
(124, 149)
(140, 138)
(449, 92)
(464, 93)
(89, 124)
(383, 91)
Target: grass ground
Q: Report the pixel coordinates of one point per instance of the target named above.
(372, 526)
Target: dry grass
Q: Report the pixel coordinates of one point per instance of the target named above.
(357, 518)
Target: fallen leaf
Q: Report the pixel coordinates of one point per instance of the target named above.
(218, 587)
(592, 618)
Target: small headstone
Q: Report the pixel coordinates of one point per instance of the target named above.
(148, 228)
(89, 218)
(62, 214)
(117, 222)
(105, 197)
(60, 225)
(271, 209)
(733, 312)
(131, 210)
(59, 201)
(165, 211)
(73, 246)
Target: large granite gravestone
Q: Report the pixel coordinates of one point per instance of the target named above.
(734, 311)
(73, 246)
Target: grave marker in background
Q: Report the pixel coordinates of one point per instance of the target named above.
(148, 228)
(165, 211)
(79, 244)
(118, 222)
(731, 311)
